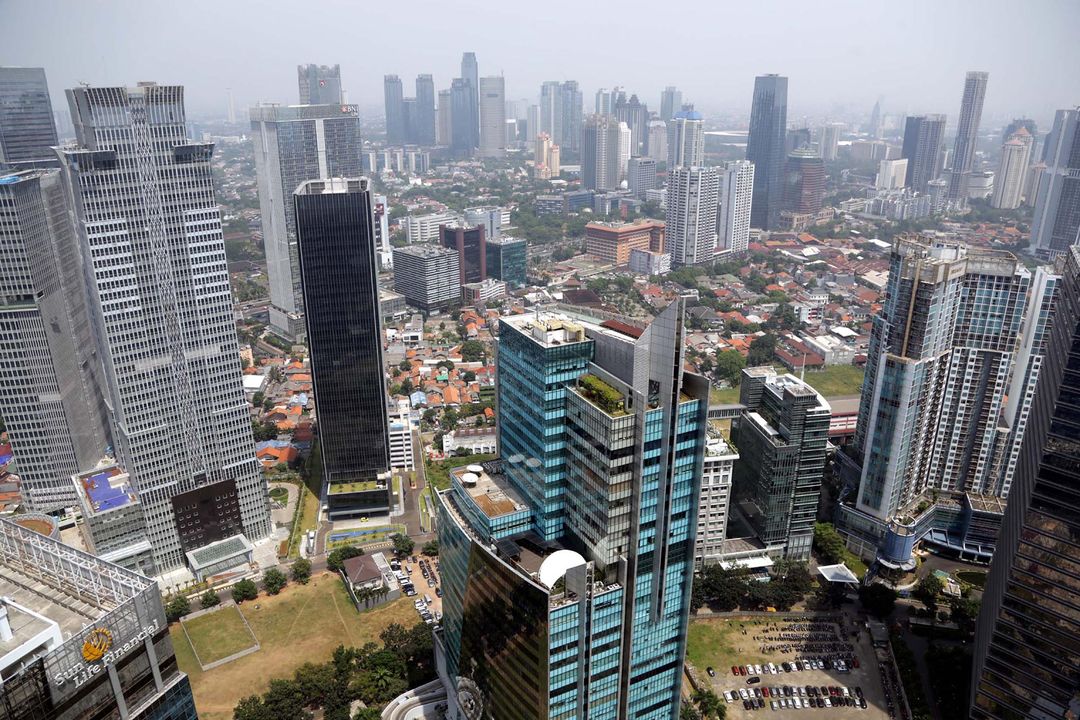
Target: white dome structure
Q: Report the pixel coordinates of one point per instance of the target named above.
(469, 479)
(556, 564)
(475, 469)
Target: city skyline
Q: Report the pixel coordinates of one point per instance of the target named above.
(921, 79)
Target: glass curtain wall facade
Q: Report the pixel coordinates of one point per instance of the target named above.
(765, 147)
(27, 129)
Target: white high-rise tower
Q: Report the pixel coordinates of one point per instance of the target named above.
(736, 195)
(692, 200)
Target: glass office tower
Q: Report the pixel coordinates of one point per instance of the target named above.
(339, 269)
(584, 618)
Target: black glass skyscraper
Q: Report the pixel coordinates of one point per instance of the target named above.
(425, 110)
(1027, 645)
(922, 149)
(393, 102)
(765, 148)
(967, 132)
(27, 132)
(338, 267)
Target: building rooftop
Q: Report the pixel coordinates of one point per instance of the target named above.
(425, 251)
(986, 503)
(505, 240)
(105, 488)
(489, 489)
(547, 329)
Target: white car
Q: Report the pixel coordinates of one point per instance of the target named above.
(772, 704)
(847, 693)
(743, 694)
(757, 669)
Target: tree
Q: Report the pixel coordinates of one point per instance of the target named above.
(473, 351)
(828, 544)
(762, 350)
(468, 376)
(177, 607)
(879, 600)
(264, 431)
(729, 366)
(285, 700)
(251, 708)
(404, 366)
(403, 544)
(257, 399)
(274, 580)
(368, 713)
(336, 559)
(209, 599)
(450, 419)
(301, 571)
(965, 611)
(688, 712)
(709, 704)
(245, 590)
(431, 548)
(928, 589)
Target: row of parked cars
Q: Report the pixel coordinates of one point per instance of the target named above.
(785, 697)
(421, 605)
(794, 666)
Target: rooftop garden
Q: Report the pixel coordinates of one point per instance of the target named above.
(602, 395)
(362, 486)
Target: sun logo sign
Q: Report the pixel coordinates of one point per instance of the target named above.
(97, 643)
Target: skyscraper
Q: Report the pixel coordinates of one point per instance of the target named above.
(641, 176)
(685, 140)
(693, 196)
(600, 153)
(736, 196)
(967, 132)
(149, 228)
(635, 114)
(445, 124)
(602, 104)
(1025, 661)
(829, 140)
(394, 106)
(492, 117)
(27, 132)
(765, 148)
(470, 73)
(470, 243)
(336, 239)
(560, 113)
(319, 84)
(781, 437)
(463, 137)
(293, 144)
(51, 390)
(425, 110)
(670, 102)
(1056, 223)
(804, 182)
(582, 564)
(1009, 181)
(923, 135)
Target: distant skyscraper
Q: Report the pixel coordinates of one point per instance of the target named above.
(470, 72)
(1056, 223)
(181, 426)
(425, 110)
(923, 135)
(874, 126)
(51, 389)
(293, 144)
(670, 102)
(641, 176)
(393, 102)
(736, 196)
(492, 117)
(602, 104)
(600, 154)
(829, 141)
(319, 84)
(804, 182)
(463, 140)
(782, 437)
(967, 132)
(1025, 662)
(561, 113)
(470, 243)
(1027, 123)
(635, 114)
(658, 145)
(339, 272)
(892, 174)
(692, 202)
(1009, 180)
(427, 275)
(444, 128)
(685, 140)
(765, 148)
(27, 132)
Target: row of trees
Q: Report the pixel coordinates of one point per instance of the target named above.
(724, 590)
(273, 581)
(703, 705)
(372, 674)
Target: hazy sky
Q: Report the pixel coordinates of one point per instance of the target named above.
(837, 53)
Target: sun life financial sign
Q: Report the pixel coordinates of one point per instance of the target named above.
(99, 652)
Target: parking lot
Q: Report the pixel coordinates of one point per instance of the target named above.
(828, 660)
(425, 587)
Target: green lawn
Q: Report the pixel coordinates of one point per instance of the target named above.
(361, 486)
(219, 634)
(309, 510)
(719, 643)
(855, 564)
(836, 380)
(723, 396)
(972, 577)
(438, 473)
(279, 494)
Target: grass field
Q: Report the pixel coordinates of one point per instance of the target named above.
(713, 643)
(219, 634)
(370, 535)
(723, 396)
(972, 577)
(302, 624)
(836, 380)
(308, 520)
(438, 473)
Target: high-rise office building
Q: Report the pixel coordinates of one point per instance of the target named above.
(463, 137)
(803, 182)
(1025, 660)
(335, 235)
(685, 140)
(781, 435)
(293, 144)
(765, 148)
(1056, 223)
(640, 176)
(716, 476)
(394, 106)
(600, 153)
(149, 227)
(829, 141)
(602, 104)
(51, 390)
(967, 132)
(425, 110)
(635, 114)
(507, 260)
(600, 593)
(959, 330)
(923, 135)
(560, 114)
(319, 84)
(492, 117)
(736, 196)
(873, 127)
(892, 174)
(1009, 180)
(470, 243)
(27, 131)
(428, 276)
(470, 73)
(670, 102)
(658, 145)
(693, 199)
(444, 125)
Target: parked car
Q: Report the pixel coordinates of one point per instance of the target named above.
(712, 673)
(753, 680)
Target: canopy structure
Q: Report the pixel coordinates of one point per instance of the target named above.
(838, 574)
